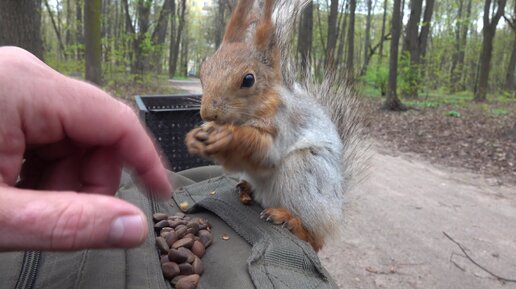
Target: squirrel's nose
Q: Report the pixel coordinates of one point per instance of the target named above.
(208, 114)
(209, 110)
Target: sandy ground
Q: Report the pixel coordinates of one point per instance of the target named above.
(396, 220)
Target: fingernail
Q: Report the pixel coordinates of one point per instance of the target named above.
(127, 231)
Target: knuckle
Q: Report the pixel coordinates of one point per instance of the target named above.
(71, 227)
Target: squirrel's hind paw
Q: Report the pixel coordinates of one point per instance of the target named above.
(283, 216)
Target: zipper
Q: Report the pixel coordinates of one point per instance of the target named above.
(29, 270)
(155, 209)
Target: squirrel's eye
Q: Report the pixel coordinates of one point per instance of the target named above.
(248, 81)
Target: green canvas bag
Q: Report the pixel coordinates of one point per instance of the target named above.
(256, 254)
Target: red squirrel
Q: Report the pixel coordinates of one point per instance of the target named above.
(273, 130)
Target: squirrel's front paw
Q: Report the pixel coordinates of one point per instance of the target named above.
(217, 139)
(195, 141)
(209, 139)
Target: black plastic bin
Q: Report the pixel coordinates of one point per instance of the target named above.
(169, 118)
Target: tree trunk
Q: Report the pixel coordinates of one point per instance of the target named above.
(342, 36)
(425, 30)
(331, 43)
(411, 42)
(351, 39)
(219, 22)
(384, 20)
(160, 33)
(69, 14)
(184, 53)
(305, 38)
(464, 40)
(367, 41)
(79, 29)
(392, 102)
(454, 75)
(488, 34)
(509, 79)
(138, 67)
(93, 47)
(56, 29)
(174, 46)
(20, 25)
(415, 43)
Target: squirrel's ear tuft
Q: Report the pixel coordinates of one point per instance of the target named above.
(264, 38)
(239, 22)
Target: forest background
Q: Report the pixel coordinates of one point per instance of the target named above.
(451, 63)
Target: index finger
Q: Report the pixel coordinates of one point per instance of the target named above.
(93, 117)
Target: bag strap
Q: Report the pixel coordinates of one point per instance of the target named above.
(278, 258)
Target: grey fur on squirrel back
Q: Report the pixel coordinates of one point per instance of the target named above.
(336, 95)
(331, 149)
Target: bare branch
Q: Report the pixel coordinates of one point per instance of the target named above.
(464, 250)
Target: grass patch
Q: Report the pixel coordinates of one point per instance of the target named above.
(453, 113)
(500, 111)
(180, 77)
(422, 104)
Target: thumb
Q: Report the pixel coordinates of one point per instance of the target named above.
(37, 220)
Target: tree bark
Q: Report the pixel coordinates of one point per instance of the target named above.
(509, 79)
(351, 39)
(488, 34)
(143, 8)
(160, 33)
(415, 43)
(20, 25)
(510, 84)
(93, 47)
(342, 36)
(425, 30)
(56, 29)
(384, 20)
(79, 28)
(305, 38)
(174, 46)
(392, 102)
(464, 40)
(219, 22)
(411, 42)
(367, 41)
(454, 75)
(331, 42)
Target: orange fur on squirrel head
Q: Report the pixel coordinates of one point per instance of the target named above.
(239, 80)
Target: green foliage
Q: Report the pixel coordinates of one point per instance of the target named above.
(409, 78)
(423, 104)
(500, 111)
(70, 67)
(453, 113)
(377, 77)
(433, 81)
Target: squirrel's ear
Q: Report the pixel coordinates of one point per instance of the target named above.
(264, 38)
(239, 22)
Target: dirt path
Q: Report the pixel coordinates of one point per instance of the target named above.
(396, 221)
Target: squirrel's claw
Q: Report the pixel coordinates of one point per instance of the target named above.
(282, 216)
(274, 216)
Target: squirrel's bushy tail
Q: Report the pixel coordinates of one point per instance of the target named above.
(340, 100)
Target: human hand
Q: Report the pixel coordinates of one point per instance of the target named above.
(63, 143)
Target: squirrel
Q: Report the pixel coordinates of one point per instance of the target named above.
(280, 134)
